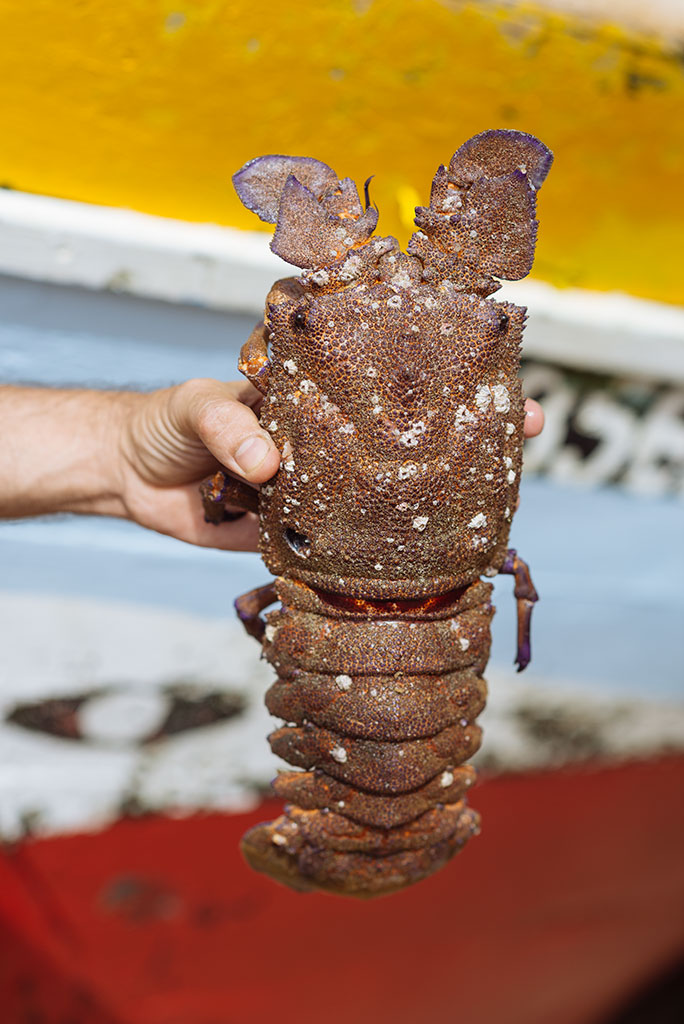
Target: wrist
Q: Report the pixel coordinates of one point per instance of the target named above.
(62, 451)
(99, 488)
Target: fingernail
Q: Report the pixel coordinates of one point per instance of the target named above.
(252, 453)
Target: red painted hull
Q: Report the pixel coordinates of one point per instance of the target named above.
(568, 902)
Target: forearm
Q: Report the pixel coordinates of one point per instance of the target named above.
(59, 451)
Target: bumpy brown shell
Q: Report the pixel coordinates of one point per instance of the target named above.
(390, 386)
(399, 413)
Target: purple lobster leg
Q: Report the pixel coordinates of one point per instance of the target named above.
(221, 490)
(526, 596)
(249, 605)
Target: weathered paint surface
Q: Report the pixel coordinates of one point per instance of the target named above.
(152, 106)
(564, 910)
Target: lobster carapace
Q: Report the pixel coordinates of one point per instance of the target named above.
(390, 386)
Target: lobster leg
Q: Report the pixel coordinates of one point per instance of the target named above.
(220, 490)
(249, 606)
(525, 595)
(254, 361)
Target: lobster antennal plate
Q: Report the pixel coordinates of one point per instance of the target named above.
(259, 184)
(498, 152)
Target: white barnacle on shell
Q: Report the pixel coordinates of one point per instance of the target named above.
(409, 438)
(510, 477)
(483, 397)
(339, 754)
(350, 268)
(407, 470)
(502, 401)
(394, 301)
(290, 366)
(307, 386)
(452, 201)
(419, 523)
(446, 779)
(270, 633)
(463, 643)
(464, 415)
(477, 521)
(510, 428)
(343, 681)
(401, 279)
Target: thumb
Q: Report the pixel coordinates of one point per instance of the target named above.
(228, 428)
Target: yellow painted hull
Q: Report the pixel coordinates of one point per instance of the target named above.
(154, 105)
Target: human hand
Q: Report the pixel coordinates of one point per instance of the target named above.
(534, 418)
(172, 439)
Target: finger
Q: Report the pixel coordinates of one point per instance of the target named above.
(245, 392)
(228, 428)
(534, 418)
(237, 535)
(178, 512)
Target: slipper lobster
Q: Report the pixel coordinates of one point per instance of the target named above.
(390, 387)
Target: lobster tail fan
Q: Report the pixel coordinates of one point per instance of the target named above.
(482, 207)
(260, 183)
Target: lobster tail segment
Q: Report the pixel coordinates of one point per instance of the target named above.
(310, 850)
(381, 733)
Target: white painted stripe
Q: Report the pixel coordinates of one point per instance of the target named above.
(102, 247)
(98, 247)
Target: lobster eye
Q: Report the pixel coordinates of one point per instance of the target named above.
(299, 318)
(503, 321)
(300, 544)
